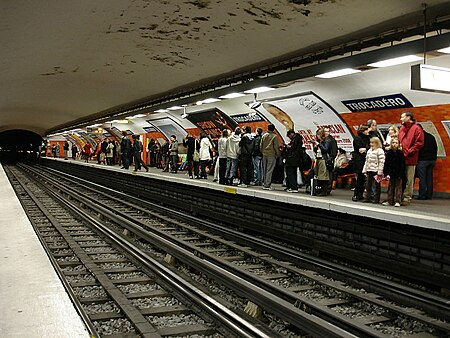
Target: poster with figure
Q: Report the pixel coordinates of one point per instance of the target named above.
(305, 113)
(168, 127)
(212, 122)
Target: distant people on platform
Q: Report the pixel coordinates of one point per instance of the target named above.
(126, 150)
(110, 153)
(87, 151)
(374, 132)
(324, 161)
(55, 150)
(222, 150)
(394, 172)
(293, 159)
(206, 148)
(118, 151)
(74, 151)
(192, 157)
(165, 155)
(342, 166)
(173, 152)
(233, 150)
(361, 144)
(151, 147)
(137, 154)
(427, 160)
(373, 169)
(270, 149)
(392, 132)
(412, 139)
(333, 150)
(66, 148)
(246, 146)
(257, 159)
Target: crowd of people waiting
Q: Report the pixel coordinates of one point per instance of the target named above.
(244, 158)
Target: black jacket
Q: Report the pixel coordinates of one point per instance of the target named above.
(360, 141)
(257, 147)
(394, 164)
(247, 145)
(294, 151)
(189, 143)
(125, 145)
(429, 150)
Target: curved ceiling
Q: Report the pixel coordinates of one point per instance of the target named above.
(62, 60)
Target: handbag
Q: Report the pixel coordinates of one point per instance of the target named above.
(196, 156)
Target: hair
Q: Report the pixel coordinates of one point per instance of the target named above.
(377, 141)
(370, 122)
(124, 133)
(362, 128)
(237, 131)
(173, 136)
(320, 133)
(342, 151)
(259, 130)
(393, 126)
(409, 114)
(271, 127)
(290, 131)
(225, 133)
(399, 144)
(248, 129)
(202, 135)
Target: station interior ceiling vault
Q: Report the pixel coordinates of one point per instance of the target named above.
(62, 60)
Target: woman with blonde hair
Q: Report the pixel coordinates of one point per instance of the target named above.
(392, 132)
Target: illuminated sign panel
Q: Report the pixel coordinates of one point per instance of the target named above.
(430, 78)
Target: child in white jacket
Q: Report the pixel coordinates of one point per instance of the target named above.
(373, 168)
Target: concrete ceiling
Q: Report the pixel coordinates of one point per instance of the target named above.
(61, 60)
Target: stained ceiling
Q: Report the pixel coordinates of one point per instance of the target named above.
(61, 60)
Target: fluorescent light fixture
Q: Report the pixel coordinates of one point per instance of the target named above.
(135, 116)
(231, 96)
(337, 73)
(122, 121)
(430, 78)
(161, 111)
(395, 61)
(94, 125)
(444, 50)
(259, 90)
(175, 108)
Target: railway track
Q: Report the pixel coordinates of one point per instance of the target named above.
(285, 273)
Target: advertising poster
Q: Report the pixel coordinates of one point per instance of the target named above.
(168, 127)
(305, 113)
(88, 139)
(212, 121)
(429, 127)
(446, 125)
(116, 133)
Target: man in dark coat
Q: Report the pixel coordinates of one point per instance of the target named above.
(425, 166)
(361, 144)
(293, 160)
(125, 147)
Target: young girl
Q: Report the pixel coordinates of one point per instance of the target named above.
(373, 168)
(394, 169)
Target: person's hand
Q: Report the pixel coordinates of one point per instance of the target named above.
(362, 150)
(388, 178)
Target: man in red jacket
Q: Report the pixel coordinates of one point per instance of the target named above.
(411, 138)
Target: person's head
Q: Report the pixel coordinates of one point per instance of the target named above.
(237, 131)
(124, 133)
(202, 135)
(173, 138)
(375, 143)
(407, 117)
(393, 130)
(372, 124)
(395, 143)
(341, 151)
(225, 133)
(320, 134)
(363, 129)
(248, 129)
(290, 133)
(326, 130)
(259, 131)
(271, 127)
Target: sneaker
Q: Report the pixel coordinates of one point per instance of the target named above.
(397, 204)
(268, 188)
(385, 203)
(191, 177)
(252, 183)
(243, 185)
(292, 190)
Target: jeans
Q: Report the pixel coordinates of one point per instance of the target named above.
(191, 164)
(222, 170)
(257, 170)
(409, 189)
(174, 161)
(425, 173)
(268, 165)
(291, 178)
(203, 164)
(232, 164)
(246, 169)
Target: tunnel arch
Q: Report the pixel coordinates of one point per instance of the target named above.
(19, 144)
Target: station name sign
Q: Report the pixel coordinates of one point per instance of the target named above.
(386, 102)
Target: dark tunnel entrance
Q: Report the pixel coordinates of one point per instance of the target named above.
(19, 145)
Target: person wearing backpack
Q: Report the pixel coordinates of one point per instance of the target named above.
(257, 159)
(247, 147)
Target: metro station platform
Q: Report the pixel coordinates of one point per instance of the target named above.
(33, 301)
(430, 214)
